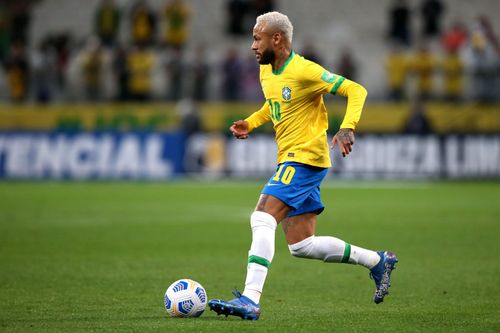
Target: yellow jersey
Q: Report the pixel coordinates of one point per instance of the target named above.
(294, 103)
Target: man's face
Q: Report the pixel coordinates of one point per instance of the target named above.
(263, 45)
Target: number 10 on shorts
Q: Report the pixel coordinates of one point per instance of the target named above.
(284, 176)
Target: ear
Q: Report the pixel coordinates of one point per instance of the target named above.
(277, 38)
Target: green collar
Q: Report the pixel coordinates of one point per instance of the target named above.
(279, 71)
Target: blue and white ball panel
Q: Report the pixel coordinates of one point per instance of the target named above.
(202, 295)
(168, 302)
(185, 306)
(180, 285)
(297, 185)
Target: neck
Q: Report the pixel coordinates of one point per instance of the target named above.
(281, 58)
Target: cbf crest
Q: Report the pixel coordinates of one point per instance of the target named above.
(286, 93)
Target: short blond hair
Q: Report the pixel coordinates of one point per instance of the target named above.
(279, 22)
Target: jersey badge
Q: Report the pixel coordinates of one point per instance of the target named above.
(286, 93)
(328, 77)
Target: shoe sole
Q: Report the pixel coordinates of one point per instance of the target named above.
(229, 310)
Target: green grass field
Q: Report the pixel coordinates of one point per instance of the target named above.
(99, 257)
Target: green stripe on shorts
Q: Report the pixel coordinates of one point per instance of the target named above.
(259, 260)
(347, 253)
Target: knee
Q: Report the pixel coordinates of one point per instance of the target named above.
(303, 248)
(262, 220)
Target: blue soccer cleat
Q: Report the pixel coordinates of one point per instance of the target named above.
(241, 306)
(381, 274)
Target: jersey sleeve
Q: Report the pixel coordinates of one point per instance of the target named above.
(259, 117)
(320, 80)
(356, 96)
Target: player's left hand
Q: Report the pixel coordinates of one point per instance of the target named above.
(345, 139)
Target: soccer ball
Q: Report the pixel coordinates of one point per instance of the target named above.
(185, 298)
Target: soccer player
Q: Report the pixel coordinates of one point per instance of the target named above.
(293, 88)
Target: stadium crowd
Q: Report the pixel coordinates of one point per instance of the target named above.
(156, 60)
(441, 62)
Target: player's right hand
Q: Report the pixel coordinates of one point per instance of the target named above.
(345, 139)
(240, 129)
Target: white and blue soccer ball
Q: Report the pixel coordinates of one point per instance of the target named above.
(185, 298)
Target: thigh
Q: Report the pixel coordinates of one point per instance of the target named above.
(299, 227)
(273, 206)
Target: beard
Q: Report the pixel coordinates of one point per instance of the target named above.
(268, 57)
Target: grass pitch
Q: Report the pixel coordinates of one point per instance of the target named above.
(99, 257)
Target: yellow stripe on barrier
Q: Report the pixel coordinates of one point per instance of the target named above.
(161, 117)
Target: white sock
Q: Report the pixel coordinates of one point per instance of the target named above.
(331, 249)
(260, 255)
(364, 257)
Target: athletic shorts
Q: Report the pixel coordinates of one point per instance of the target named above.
(297, 185)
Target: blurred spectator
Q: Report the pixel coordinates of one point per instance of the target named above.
(143, 24)
(494, 41)
(454, 38)
(488, 31)
(250, 79)
(107, 22)
(91, 69)
(423, 66)
(4, 31)
(399, 23)
(200, 75)
(432, 12)
(231, 69)
(120, 73)
(62, 45)
(140, 62)
(175, 21)
(190, 117)
(417, 122)
(397, 67)
(309, 52)
(44, 72)
(483, 63)
(263, 6)
(236, 15)
(346, 65)
(20, 16)
(17, 70)
(175, 74)
(453, 75)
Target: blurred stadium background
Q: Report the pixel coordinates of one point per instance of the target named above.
(147, 89)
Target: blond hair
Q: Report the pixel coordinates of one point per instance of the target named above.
(277, 21)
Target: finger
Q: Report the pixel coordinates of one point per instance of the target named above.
(334, 142)
(343, 149)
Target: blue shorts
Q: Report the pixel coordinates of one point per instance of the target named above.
(297, 185)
